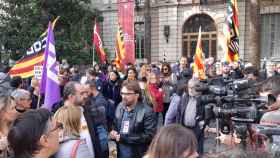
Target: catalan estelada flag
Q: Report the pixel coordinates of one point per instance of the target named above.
(120, 49)
(232, 33)
(199, 67)
(96, 40)
(34, 57)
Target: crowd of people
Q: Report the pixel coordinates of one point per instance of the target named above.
(148, 110)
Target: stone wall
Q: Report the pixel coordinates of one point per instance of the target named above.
(175, 14)
(109, 30)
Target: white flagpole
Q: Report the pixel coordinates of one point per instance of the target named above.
(93, 54)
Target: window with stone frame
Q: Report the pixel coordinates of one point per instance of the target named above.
(208, 35)
(205, 2)
(140, 2)
(139, 39)
(270, 36)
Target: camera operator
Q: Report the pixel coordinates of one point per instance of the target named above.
(250, 81)
(190, 112)
(221, 80)
(270, 87)
(270, 119)
(251, 73)
(236, 72)
(238, 108)
(273, 116)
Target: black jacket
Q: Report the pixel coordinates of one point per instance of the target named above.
(200, 107)
(236, 74)
(97, 109)
(111, 90)
(142, 129)
(182, 108)
(92, 132)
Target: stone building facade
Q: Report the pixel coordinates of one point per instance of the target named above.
(180, 19)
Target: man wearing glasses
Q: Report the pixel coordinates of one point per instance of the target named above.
(35, 134)
(135, 123)
(190, 112)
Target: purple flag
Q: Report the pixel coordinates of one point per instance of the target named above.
(49, 82)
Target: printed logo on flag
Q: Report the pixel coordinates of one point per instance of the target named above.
(38, 72)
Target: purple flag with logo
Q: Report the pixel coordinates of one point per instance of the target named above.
(49, 82)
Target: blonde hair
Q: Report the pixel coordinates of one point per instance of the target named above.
(70, 117)
(5, 104)
(143, 70)
(34, 82)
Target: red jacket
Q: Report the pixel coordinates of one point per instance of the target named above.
(157, 95)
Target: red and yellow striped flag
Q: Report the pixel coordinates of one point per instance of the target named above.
(25, 66)
(35, 56)
(199, 67)
(232, 32)
(120, 49)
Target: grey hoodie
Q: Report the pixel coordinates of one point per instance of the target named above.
(5, 88)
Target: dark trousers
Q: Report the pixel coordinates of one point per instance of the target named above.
(166, 106)
(103, 139)
(199, 134)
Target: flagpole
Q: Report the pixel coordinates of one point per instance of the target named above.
(93, 50)
(93, 47)
(39, 96)
(39, 99)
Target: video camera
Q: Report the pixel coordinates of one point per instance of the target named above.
(268, 130)
(229, 87)
(235, 105)
(273, 133)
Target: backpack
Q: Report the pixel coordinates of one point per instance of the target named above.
(5, 88)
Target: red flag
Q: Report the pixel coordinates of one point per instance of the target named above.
(199, 68)
(98, 44)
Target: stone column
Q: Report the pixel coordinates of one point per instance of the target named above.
(147, 23)
(254, 33)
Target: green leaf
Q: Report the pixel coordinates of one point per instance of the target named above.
(23, 21)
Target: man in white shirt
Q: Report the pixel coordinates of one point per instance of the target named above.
(76, 95)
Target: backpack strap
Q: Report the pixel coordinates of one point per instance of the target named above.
(75, 149)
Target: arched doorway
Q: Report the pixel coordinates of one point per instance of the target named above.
(208, 35)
